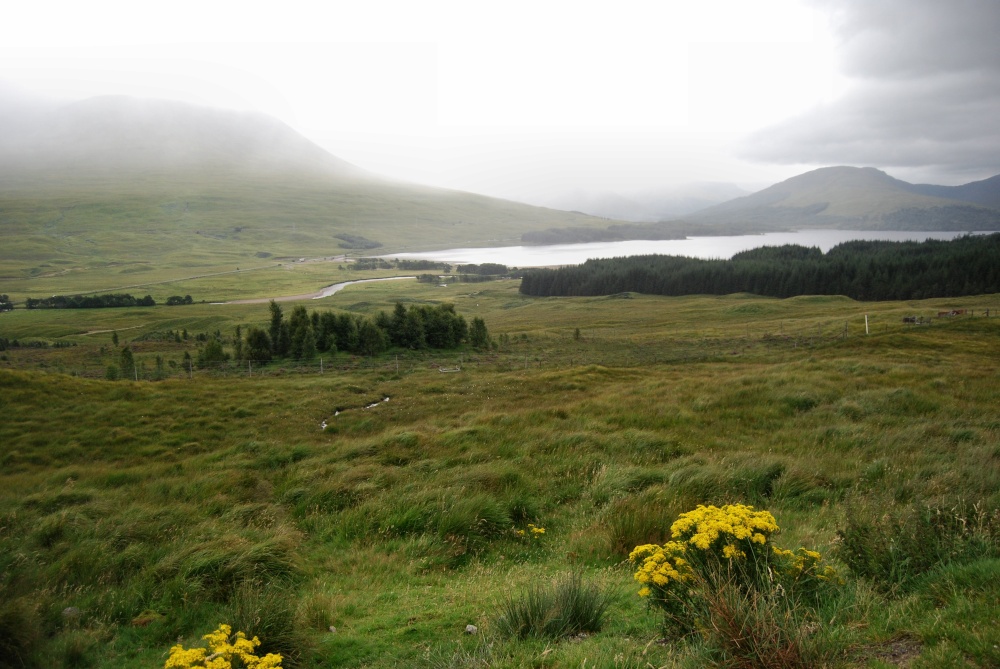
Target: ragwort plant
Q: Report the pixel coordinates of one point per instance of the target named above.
(223, 649)
(718, 549)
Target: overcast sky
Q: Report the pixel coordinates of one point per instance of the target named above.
(527, 99)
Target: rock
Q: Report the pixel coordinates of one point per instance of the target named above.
(471, 629)
(333, 630)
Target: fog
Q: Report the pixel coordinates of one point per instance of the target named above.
(631, 107)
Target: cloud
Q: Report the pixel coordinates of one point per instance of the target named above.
(924, 93)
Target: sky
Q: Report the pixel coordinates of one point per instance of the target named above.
(529, 100)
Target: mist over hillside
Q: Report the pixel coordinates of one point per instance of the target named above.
(123, 134)
(98, 190)
(650, 205)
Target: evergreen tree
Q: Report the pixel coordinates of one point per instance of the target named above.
(212, 354)
(258, 345)
(371, 339)
(308, 350)
(479, 337)
(127, 363)
(276, 322)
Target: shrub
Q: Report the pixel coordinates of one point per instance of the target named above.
(223, 648)
(565, 607)
(894, 548)
(716, 549)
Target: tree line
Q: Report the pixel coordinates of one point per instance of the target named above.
(862, 270)
(109, 300)
(303, 335)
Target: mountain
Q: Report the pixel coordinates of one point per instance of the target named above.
(863, 198)
(123, 134)
(648, 205)
(985, 193)
(117, 185)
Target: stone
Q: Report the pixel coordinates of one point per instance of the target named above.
(471, 629)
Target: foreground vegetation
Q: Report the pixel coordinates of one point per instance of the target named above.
(507, 496)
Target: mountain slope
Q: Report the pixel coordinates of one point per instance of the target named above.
(117, 133)
(116, 185)
(845, 197)
(985, 193)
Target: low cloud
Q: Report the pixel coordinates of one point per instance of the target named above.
(925, 92)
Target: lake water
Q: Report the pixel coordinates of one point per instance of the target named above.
(694, 247)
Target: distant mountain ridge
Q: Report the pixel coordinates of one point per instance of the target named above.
(985, 193)
(861, 197)
(649, 205)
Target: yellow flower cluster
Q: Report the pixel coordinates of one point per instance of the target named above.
(804, 562)
(533, 531)
(661, 566)
(733, 523)
(222, 649)
(728, 532)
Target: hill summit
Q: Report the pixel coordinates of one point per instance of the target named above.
(124, 134)
(863, 198)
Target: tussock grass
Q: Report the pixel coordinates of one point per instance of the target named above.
(564, 607)
(397, 525)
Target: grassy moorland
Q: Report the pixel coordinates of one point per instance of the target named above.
(136, 514)
(80, 233)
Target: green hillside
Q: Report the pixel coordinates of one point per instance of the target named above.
(114, 192)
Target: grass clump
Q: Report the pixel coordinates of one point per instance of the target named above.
(20, 630)
(565, 607)
(894, 547)
(268, 612)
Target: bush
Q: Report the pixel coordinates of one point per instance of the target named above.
(892, 549)
(718, 549)
(224, 648)
(565, 607)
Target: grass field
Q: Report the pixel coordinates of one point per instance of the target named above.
(134, 515)
(78, 233)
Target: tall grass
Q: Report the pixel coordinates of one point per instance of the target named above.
(564, 607)
(129, 499)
